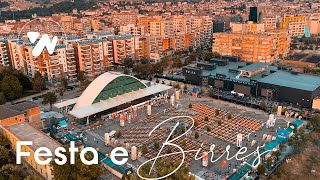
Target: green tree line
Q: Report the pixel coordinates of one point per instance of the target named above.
(62, 7)
(14, 84)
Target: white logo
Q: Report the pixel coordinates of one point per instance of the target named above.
(43, 42)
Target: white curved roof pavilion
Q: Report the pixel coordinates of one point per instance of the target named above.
(110, 90)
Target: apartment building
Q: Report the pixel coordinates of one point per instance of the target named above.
(265, 47)
(146, 21)
(140, 47)
(154, 47)
(249, 28)
(43, 26)
(5, 59)
(295, 24)
(61, 63)
(107, 53)
(132, 29)
(269, 23)
(123, 47)
(204, 27)
(89, 56)
(314, 24)
(124, 18)
(16, 49)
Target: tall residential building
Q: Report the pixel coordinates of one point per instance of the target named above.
(123, 47)
(61, 63)
(314, 25)
(269, 23)
(5, 59)
(265, 47)
(295, 24)
(247, 28)
(132, 29)
(146, 21)
(89, 56)
(16, 49)
(124, 18)
(203, 30)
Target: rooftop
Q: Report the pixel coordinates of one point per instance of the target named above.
(117, 101)
(254, 66)
(26, 132)
(6, 112)
(298, 81)
(23, 106)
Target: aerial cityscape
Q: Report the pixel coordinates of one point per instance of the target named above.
(159, 89)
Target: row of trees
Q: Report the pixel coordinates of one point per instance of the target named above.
(62, 7)
(13, 84)
(8, 170)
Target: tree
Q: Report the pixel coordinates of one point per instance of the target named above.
(193, 57)
(207, 55)
(261, 169)
(219, 122)
(274, 109)
(24, 80)
(10, 171)
(78, 170)
(216, 55)
(190, 105)
(185, 87)
(211, 94)
(208, 128)
(144, 150)
(196, 135)
(3, 99)
(206, 118)
(196, 123)
(81, 76)
(229, 116)
(4, 156)
(38, 82)
(217, 112)
(119, 134)
(49, 98)
(63, 83)
(125, 71)
(177, 63)
(269, 161)
(177, 86)
(157, 80)
(277, 153)
(263, 105)
(184, 142)
(202, 91)
(183, 129)
(84, 84)
(3, 140)
(11, 87)
(315, 121)
(165, 166)
(128, 63)
(156, 145)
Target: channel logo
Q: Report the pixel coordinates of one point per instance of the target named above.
(44, 42)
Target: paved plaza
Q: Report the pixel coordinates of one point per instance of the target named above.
(243, 120)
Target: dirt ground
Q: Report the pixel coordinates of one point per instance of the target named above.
(304, 165)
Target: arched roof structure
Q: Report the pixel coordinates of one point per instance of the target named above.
(108, 85)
